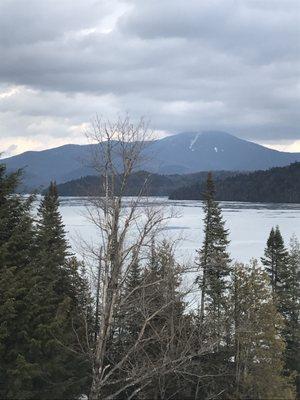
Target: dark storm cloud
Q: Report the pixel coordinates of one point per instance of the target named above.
(230, 65)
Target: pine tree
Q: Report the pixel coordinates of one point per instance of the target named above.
(214, 260)
(59, 308)
(259, 349)
(51, 239)
(165, 273)
(275, 258)
(17, 253)
(151, 304)
(128, 318)
(127, 324)
(215, 267)
(166, 332)
(132, 299)
(288, 306)
(283, 269)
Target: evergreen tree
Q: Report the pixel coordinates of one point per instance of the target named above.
(167, 331)
(214, 260)
(51, 241)
(151, 304)
(283, 269)
(17, 252)
(162, 279)
(127, 324)
(59, 307)
(132, 298)
(128, 318)
(215, 267)
(288, 305)
(259, 349)
(275, 258)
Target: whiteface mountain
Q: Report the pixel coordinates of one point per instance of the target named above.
(183, 153)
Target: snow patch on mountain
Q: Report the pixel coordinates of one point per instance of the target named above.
(193, 141)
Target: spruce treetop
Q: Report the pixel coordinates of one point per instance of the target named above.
(51, 230)
(275, 257)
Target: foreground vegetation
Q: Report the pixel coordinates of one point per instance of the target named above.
(130, 327)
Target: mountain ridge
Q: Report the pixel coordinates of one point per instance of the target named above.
(183, 153)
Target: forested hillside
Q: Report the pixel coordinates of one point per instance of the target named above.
(276, 185)
(155, 184)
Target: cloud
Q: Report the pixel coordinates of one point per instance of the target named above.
(255, 30)
(215, 64)
(9, 151)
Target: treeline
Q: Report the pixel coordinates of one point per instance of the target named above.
(155, 184)
(42, 298)
(131, 333)
(277, 185)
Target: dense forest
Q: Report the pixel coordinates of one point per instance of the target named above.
(155, 184)
(277, 185)
(241, 342)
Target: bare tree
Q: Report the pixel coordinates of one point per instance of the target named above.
(126, 231)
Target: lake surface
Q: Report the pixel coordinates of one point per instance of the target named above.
(249, 225)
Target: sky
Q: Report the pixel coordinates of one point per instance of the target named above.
(185, 65)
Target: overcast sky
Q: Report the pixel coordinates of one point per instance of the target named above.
(187, 65)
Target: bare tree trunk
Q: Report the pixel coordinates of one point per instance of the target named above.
(98, 283)
(95, 392)
(126, 232)
(203, 293)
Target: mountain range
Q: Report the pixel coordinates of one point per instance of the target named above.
(183, 153)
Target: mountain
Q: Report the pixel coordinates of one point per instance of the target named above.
(157, 185)
(178, 154)
(60, 164)
(276, 185)
(190, 152)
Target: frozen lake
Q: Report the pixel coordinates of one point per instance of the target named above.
(249, 225)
